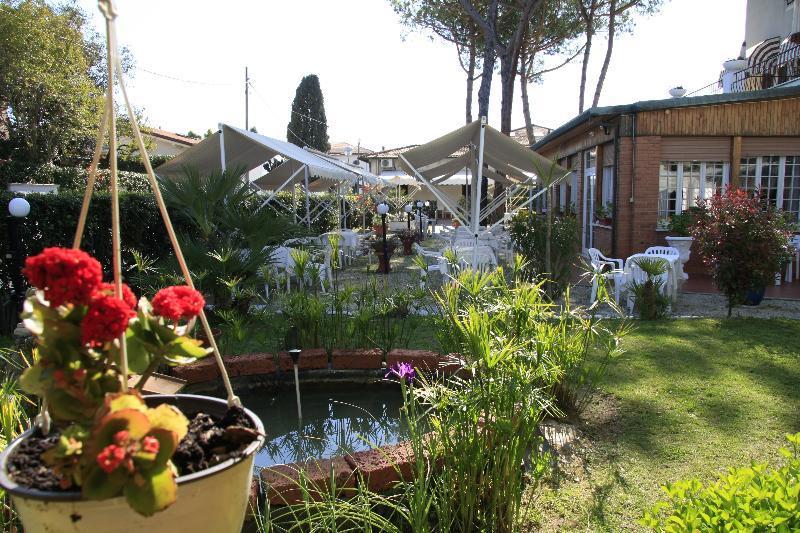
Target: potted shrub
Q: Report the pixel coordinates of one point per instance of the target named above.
(744, 242)
(603, 213)
(681, 238)
(377, 247)
(648, 296)
(408, 238)
(112, 460)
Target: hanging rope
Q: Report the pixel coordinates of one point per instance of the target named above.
(109, 121)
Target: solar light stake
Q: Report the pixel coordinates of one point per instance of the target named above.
(295, 355)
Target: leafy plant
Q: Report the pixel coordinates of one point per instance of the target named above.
(530, 234)
(648, 296)
(753, 498)
(743, 240)
(110, 443)
(681, 224)
(225, 236)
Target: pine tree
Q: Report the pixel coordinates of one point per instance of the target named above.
(308, 125)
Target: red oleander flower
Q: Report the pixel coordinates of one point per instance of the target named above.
(65, 275)
(110, 458)
(150, 445)
(178, 302)
(106, 320)
(107, 289)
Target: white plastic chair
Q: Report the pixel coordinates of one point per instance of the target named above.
(607, 267)
(793, 268)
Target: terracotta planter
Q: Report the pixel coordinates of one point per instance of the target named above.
(407, 244)
(384, 264)
(212, 500)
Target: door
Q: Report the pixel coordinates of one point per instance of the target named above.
(589, 188)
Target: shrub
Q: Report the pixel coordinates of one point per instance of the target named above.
(754, 498)
(648, 296)
(743, 240)
(529, 232)
(70, 178)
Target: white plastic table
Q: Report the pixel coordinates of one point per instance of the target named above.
(672, 271)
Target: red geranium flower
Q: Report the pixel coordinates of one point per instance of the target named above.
(107, 289)
(65, 275)
(106, 320)
(178, 302)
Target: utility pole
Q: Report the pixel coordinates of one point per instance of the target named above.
(246, 100)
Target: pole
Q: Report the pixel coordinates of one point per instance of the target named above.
(385, 247)
(308, 201)
(476, 200)
(295, 355)
(15, 259)
(409, 220)
(246, 100)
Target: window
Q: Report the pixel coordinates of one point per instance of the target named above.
(682, 183)
(607, 192)
(777, 178)
(591, 158)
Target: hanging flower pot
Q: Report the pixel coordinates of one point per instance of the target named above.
(213, 499)
(111, 455)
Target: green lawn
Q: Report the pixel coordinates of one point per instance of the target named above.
(689, 397)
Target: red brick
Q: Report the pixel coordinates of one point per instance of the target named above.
(424, 360)
(198, 372)
(383, 467)
(310, 359)
(251, 364)
(357, 359)
(282, 482)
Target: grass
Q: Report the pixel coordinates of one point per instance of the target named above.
(689, 398)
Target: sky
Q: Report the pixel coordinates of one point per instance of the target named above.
(383, 85)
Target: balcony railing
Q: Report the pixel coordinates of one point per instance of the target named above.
(771, 72)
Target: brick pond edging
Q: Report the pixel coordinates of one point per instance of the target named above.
(379, 469)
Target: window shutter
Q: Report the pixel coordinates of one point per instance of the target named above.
(756, 146)
(696, 149)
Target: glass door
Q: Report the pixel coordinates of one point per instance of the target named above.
(589, 188)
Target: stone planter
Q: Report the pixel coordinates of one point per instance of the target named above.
(684, 247)
(214, 499)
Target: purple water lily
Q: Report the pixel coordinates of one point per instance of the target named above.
(402, 371)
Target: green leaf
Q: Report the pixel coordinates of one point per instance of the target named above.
(138, 355)
(169, 418)
(31, 380)
(98, 485)
(155, 491)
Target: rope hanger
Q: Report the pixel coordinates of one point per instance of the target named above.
(108, 124)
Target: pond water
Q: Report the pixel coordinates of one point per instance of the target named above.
(337, 419)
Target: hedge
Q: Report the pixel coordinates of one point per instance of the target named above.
(70, 178)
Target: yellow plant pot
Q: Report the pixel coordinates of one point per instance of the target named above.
(213, 500)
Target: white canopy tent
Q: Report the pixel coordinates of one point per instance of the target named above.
(481, 151)
(232, 147)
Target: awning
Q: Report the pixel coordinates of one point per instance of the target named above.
(396, 178)
(247, 150)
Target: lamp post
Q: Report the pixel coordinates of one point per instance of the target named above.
(292, 341)
(427, 205)
(419, 218)
(18, 209)
(408, 208)
(383, 209)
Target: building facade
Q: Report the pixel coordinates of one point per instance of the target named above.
(646, 161)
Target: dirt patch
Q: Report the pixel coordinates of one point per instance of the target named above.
(210, 441)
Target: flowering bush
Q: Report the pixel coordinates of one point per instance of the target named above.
(110, 443)
(742, 240)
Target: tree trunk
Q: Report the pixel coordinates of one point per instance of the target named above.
(507, 77)
(587, 51)
(609, 50)
(486, 79)
(526, 106)
(470, 81)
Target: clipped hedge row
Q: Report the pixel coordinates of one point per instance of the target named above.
(54, 217)
(70, 178)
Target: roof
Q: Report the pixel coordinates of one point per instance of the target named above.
(521, 134)
(669, 103)
(337, 148)
(170, 136)
(391, 152)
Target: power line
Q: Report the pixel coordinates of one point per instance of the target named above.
(182, 80)
(264, 100)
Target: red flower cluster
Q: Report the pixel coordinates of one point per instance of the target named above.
(111, 457)
(107, 289)
(66, 276)
(122, 450)
(106, 319)
(178, 302)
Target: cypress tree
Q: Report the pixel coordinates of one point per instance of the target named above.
(308, 125)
